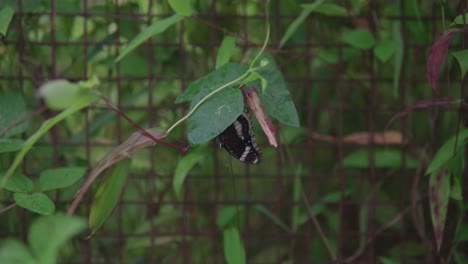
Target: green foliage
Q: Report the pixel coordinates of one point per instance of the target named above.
(46, 236)
(107, 195)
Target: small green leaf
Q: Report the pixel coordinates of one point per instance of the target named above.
(439, 194)
(13, 251)
(253, 76)
(228, 216)
(6, 15)
(36, 202)
(18, 183)
(447, 151)
(459, 19)
(330, 9)
(462, 58)
(184, 166)
(292, 28)
(384, 50)
(49, 233)
(59, 94)
(383, 158)
(59, 178)
(359, 38)
(156, 28)
(107, 195)
(10, 145)
(182, 7)
(225, 51)
(234, 251)
(388, 261)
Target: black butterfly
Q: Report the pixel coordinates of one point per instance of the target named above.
(239, 140)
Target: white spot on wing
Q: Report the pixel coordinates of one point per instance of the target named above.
(246, 152)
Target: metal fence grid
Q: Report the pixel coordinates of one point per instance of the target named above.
(328, 100)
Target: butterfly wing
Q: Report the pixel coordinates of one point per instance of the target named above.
(239, 140)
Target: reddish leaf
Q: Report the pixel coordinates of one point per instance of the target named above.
(265, 122)
(426, 103)
(437, 54)
(136, 141)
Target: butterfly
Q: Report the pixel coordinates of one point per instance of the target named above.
(239, 140)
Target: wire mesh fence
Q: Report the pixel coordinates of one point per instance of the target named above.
(346, 186)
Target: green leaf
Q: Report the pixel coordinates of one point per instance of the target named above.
(10, 145)
(12, 108)
(447, 151)
(107, 195)
(359, 38)
(18, 183)
(80, 103)
(384, 50)
(228, 216)
(60, 177)
(210, 82)
(234, 252)
(6, 15)
(225, 51)
(59, 94)
(439, 194)
(156, 28)
(330, 9)
(184, 166)
(459, 19)
(182, 7)
(462, 58)
(13, 251)
(276, 99)
(36, 202)
(292, 28)
(214, 115)
(383, 158)
(462, 232)
(388, 261)
(49, 233)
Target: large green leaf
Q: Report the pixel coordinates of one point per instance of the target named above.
(49, 233)
(276, 99)
(462, 58)
(107, 195)
(210, 82)
(214, 115)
